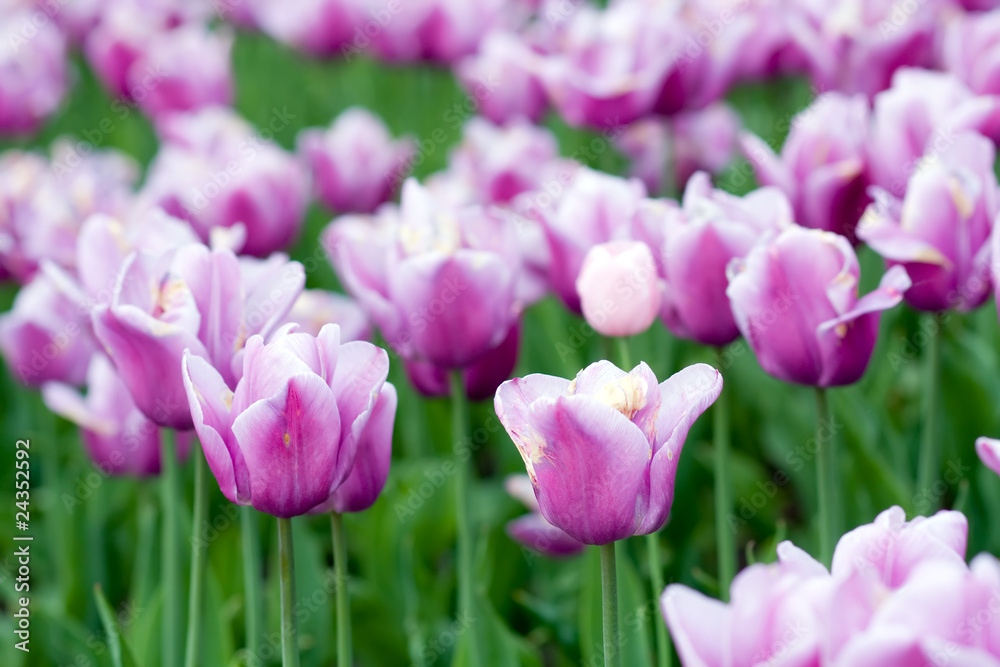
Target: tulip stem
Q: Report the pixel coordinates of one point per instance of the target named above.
(199, 551)
(609, 590)
(825, 462)
(286, 565)
(252, 605)
(725, 543)
(170, 563)
(624, 355)
(343, 609)
(930, 454)
(656, 577)
(462, 519)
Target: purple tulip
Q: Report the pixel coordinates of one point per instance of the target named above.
(823, 165)
(970, 50)
(532, 530)
(355, 163)
(314, 309)
(898, 594)
(988, 450)
(795, 300)
(921, 115)
(213, 170)
(940, 231)
(593, 208)
(438, 282)
(188, 299)
(302, 406)
(619, 288)
(480, 379)
(699, 241)
(602, 450)
(318, 27)
(33, 72)
(503, 78)
(371, 464)
(119, 439)
(46, 335)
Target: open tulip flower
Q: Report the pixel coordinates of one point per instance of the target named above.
(795, 300)
(602, 449)
(940, 231)
(288, 437)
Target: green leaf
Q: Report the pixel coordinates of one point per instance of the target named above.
(121, 652)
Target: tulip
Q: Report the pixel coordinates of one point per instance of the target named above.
(355, 164)
(602, 450)
(439, 283)
(503, 78)
(192, 71)
(480, 379)
(119, 439)
(918, 119)
(317, 27)
(33, 72)
(988, 450)
(795, 301)
(700, 240)
(45, 336)
(619, 288)
(532, 530)
(940, 231)
(970, 50)
(214, 171)
(302, 404)
(905, 587)
(314, 309)
(823, 164)
(594, 208)
(189, 299)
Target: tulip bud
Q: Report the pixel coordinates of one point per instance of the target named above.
(619, 289)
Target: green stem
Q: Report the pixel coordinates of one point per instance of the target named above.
(286, 565)
(253, 604)
(825, 462)
(141, 571)
(624, 355)
(609, 591)
(656, 577)
(343, 608)
(930, 451)
(725, 543)
(462, 519)
(199, 551)
(170, 641)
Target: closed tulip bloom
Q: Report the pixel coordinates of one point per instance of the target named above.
(319, 28)
(480, 379)
(970, 50)
(699, 241)
(795, 300)
(213, 170)
(602, 450)
(302, 406)
(940, 232)
(503, 78)
(119, 439)
(33, 71)
(45, 336)
(355, 164)
(532, 530)
(823, 166)
(593, 208)
(918, 119)
(988, 450)
(619, 288)
(439, 282)
(899, 593)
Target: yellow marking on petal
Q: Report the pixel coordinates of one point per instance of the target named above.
(627, 394)
(841, 329)
(965, 206)
(287, 438)
(227, 398)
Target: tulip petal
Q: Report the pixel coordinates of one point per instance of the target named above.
(512, 404)
(988, 450)
(291, 443)
(357, 380)
(699, 625)
(535, 533)
(589, 466)
(211, 401)
(683, 397)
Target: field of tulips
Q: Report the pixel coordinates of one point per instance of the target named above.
(499, 332)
